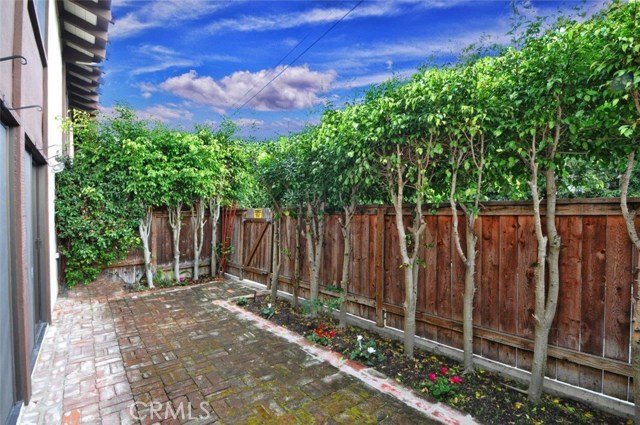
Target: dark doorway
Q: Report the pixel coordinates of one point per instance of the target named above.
(33, 174)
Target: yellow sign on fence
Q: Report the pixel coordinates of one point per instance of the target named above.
(257, 213)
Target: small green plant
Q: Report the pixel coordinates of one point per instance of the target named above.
(441, 385)
(242, 301)
(366, 353)
(267, 312)
(334, 288)
(162, 279)
(312, 308)
(321, 335)
(224, 250)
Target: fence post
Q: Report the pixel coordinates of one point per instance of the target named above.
(379, 256)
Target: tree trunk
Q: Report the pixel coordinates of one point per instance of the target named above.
(470, 268)
(197, 226)
(346, 228)
(214, 210)
(629, 218)
(469, 293)
(410, 266)
(297, 258)
(409, 258)
(315, 239)
(539, 363)
(144, 228)
(276, 260)
(411, 296)
(175, 221)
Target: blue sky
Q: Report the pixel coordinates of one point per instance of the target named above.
(188, 62)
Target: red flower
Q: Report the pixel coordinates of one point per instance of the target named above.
(455, 380)
(320, 327)
(432, 376)
(332, 334)
(443, 370)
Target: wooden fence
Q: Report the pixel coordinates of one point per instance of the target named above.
(591, 332)
(161, 246)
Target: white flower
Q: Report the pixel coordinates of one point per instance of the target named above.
(359, 338)
(269, 305)
(371, 350)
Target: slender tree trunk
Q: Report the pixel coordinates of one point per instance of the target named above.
(346, 228)
(144, 227)
(214, 210)
(315, 240)
(546, 302)
(629, 218)
(276, 260)
(469, 285)
(469, 293)
(197, 226)
(297, 265)
(545, 305)
(470, 268)
(409, 257)
(175, 221)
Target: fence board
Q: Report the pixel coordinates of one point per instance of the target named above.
(457, 277)
(393, 292)
(618, 290)
(567, 322)
(443, 281)
(427, 287)
(508, 264)
(594, 277)
(490, 280)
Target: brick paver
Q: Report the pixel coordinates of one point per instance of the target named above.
(175, 356)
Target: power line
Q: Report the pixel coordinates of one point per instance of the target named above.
(298, 57)
(275, 66)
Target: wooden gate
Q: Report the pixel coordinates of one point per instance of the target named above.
(251, 258)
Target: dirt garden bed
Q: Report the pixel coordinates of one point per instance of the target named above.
(488, 397)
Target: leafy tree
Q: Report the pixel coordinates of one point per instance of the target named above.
(312, 189)
(275, 172)
(147, 187)
(183, 171)
(96, 219)
(614, 37)
(473, 102)
(352, 177)
(403, 128)
(547, 79)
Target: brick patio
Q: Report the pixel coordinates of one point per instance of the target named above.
(180, 356)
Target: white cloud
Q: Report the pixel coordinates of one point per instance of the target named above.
(161, 66)
(297, 88)
(292, 20)
(160, 58)
(162, 14)
(248, 122)
(165, 113)
(421, 49)
(325, 15)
